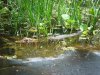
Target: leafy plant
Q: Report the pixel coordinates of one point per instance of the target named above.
(22, 16)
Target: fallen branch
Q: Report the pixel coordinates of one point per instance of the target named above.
(61, 37)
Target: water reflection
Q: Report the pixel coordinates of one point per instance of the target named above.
(69, 63)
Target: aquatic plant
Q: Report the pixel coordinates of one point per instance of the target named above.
(18, 17)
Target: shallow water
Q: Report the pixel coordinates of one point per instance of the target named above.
(40, 50)
(68, 63)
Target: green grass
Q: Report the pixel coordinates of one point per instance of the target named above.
(23, 15)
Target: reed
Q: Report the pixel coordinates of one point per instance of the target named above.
(25, 15)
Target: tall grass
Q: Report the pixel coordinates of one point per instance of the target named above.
(83, 14)
(25, 15)
(36, 12)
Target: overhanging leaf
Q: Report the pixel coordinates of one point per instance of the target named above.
(83, 27)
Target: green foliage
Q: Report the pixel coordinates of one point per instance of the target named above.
(4, 10)
(65, 17)
(42, 29)
(83, 27)
(20, 17)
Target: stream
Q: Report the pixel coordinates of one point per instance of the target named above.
(71, 62)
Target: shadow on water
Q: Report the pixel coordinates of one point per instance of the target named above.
(71, 62)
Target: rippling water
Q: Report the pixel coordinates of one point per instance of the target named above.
(68, 63)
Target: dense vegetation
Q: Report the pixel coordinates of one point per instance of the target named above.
(41, 17)
(53, 19)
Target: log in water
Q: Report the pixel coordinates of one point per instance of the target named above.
(61, 37)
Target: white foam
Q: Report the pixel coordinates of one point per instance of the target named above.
(35, 59)
(97, 53)
(39, 59)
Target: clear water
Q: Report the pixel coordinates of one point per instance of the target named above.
(68, 63)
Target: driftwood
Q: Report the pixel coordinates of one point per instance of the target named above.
(64, 36)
